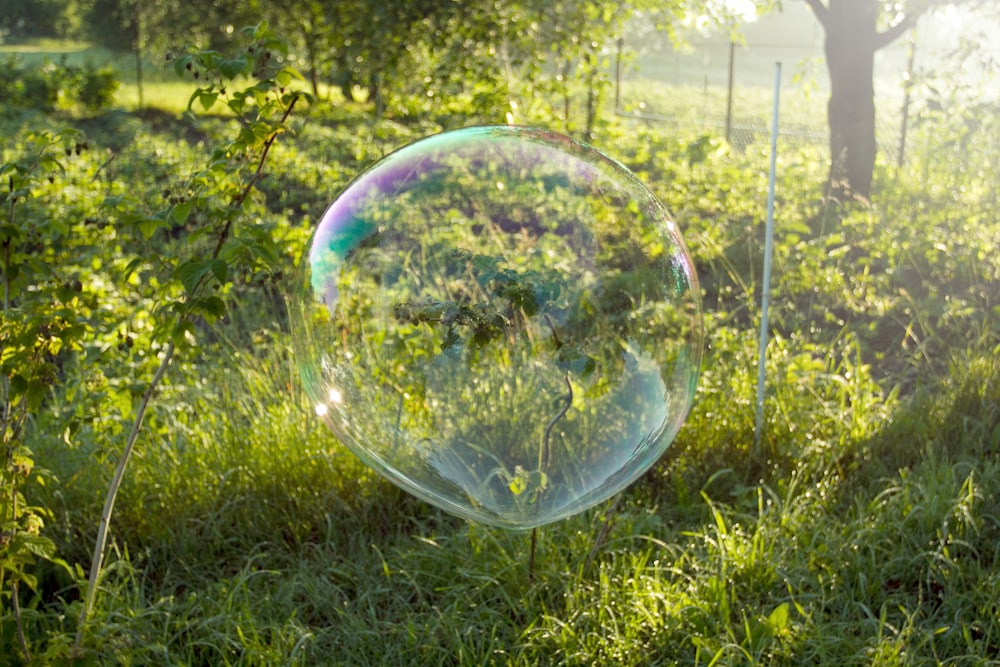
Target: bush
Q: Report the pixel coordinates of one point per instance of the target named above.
(51, 85)
(97, 87)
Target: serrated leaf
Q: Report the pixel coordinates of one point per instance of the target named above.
(181, 212)
(220, 270)
(40, 546)
(191, 273)
(232, 68)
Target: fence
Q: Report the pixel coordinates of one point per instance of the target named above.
(722, 86)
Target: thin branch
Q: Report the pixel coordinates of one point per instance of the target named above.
(116, 482)
(893, 33)
(543, 455)
(819, 9)
(242, 196)
(17, 620)
(6, 251)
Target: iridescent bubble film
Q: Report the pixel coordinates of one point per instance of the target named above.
(502, 321)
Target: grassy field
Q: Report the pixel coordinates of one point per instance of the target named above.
(864, 529)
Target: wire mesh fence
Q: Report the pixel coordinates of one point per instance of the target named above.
(725, 88)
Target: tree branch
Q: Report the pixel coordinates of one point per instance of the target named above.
(242, 196)
(889, 35)
(819, 9)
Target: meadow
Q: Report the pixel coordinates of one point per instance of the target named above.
(863, 528)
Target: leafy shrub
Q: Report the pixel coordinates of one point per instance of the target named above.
(51, 85)
(97, 87)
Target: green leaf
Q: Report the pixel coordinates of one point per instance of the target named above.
(183, 333)
(18, 385)
(148, 226)
(133, 266)
(181, 212)
(220, 270)
(206, 99)
(232, 68)
(518, 485)
(36, 545)
(212, 307)
(191, 273)
(779, 618)
(182, 63)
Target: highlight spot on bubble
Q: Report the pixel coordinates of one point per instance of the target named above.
(502, 321)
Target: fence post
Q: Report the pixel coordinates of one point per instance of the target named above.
(729, 101)
(765, 298)
(618, 75)
(907, 86)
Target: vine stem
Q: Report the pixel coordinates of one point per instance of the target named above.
(109, 500)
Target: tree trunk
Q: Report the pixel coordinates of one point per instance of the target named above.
(138, 54)
(850, 57)
(313, 67)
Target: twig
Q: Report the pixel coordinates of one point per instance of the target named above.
(17, 620)
(543, 454)
(116, 481)
(109, 501)
(240, 198)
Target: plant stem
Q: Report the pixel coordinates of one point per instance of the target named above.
(109, 501)
(602, 534)
(531, 556)
(238, 201)
(6, 255)
(543, 453)
(17, 620)
(543, 465)
(116, 482)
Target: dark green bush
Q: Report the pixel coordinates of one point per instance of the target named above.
(50, 85)
(97, 87)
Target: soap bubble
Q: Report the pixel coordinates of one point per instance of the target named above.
(502, 321)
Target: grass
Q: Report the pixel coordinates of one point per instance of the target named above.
(286, 551)
(863, 532)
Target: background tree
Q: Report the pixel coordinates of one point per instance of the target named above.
(41, 18)
(854, 31)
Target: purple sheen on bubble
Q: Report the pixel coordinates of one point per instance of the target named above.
(502, 321)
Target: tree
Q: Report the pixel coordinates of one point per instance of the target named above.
(854, 31)
(40, 18)
(852, 37)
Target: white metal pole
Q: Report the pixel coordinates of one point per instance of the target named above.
(768, 250)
